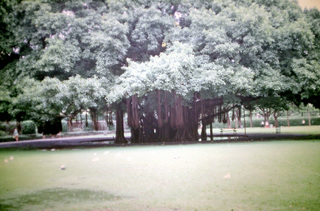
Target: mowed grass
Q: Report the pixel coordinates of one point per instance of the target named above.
(275, 175)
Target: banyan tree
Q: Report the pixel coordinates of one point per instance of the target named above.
(169, 66)
(214, 57)
(169, 97)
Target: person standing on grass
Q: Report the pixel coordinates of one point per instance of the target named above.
(16, 134)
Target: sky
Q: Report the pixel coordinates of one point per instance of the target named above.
(309, 3)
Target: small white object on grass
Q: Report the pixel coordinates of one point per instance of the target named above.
(63, 167)
(227, 176)
(52, 150)
(11, 158)
(6, 160)
(96, 159)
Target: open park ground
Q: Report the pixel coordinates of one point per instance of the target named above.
(273, 175)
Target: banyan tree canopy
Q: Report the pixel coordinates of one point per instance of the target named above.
(167, 66)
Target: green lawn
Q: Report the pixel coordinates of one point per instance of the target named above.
(276, 175)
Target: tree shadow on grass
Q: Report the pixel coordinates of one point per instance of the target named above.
(55, 198)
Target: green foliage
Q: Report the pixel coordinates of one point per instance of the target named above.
(168, 71)
(51, 98)
(5, 104)
(274, 103)
(28, 127)
(3, 130)
(294, 121)
(63, 57)
(7, 128)
(58, 55)
(64, 126)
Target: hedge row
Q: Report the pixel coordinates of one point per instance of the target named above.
(28, 127)
(282, 122)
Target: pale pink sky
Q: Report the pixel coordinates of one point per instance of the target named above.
(309, 3)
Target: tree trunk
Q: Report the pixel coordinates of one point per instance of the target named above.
(288, 121)
(204, 131)
(191, 118)
(204, 122)
(170, 119)
(70, 119)
(129, 112)
(94, 119)
(135, 114)
(275, 116)
(211, 122)
(70, 127)
(119, 127)
(228, 121)
(133, 119)
(110, 120)
(135, 135)
(267, 123)
(220, 114)
(164, 130)
(166, 110)
(266, 114)
(244, 120)
(81, 120)
(18, 125)
(211, 132)
(108, 117)
(309, 117)
(238, 112)
(159, 113)
(179, 111)
(236, 121)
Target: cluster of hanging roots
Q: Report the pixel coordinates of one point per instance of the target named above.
(163, 116)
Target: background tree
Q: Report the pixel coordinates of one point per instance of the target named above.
(271, 106)
(51, 99)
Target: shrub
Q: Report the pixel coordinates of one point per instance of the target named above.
(7, 128)
(3, 130)
(283, 121)
(28, 127)
(3, 127)
(296, 121)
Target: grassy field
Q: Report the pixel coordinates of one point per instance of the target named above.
(276, 175)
